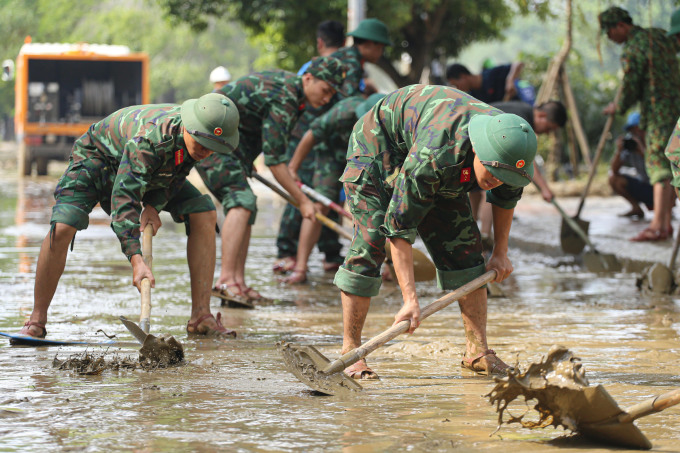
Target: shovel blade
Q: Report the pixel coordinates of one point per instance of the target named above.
(570, 240)
(625, 435)
(161, 352)
(134, 329)
(307, 363)
(601, 262)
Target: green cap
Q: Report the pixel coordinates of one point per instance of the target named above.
(368, 103)
(506, 145)
(675, 23)
(213, 121)
(329, 69)
(612, 16)
(372, 30)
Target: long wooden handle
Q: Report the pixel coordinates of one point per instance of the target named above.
(674, 254)
(374, 343)
(320, 217)
(145, 316)
(650, 406)
(598, 152)
(324, 200)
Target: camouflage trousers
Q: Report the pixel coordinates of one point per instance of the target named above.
(449, 232)
(88, 182)
(656, 162)
(226, 178)
(291, 222)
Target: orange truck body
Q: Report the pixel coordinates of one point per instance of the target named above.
(61, 89)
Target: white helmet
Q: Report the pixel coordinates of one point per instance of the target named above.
(220, 74)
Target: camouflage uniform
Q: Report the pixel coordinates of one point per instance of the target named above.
(269, 104)
(134, 155)
(673, 154)
(291, 220)
(409, 169)
(651, 78)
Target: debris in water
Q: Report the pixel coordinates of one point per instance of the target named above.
(87, 363)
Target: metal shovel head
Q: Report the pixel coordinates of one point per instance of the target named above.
(601, 262)
(160, 352)
(307, 363)
(570, 241)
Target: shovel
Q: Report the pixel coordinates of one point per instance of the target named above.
(423, 268)
(572, 242)
(322, 375)
(156, 351)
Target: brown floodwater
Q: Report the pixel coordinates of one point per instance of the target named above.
(235, 395)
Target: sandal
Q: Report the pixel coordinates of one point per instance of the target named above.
(360, 370)
(26, 330)
(232, 298)
(296, 277)
(331, 266)
(284, 265)
(498, 368)
(195, 328)
(651, 235)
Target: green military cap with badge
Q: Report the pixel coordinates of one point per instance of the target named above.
(329, 69)
(372, 30)
(612, 16)
(213, 120)
(506, 145)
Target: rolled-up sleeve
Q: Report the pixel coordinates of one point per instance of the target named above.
(504, 196)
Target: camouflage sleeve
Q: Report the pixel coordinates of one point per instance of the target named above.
(504, 196)
(336, 119)
(634, 65)
(673, 154)
(276, 128)
(137, 162)
(414, 189)
(352, 81)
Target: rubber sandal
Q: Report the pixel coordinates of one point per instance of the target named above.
(297, 277)
(195, 328)
(651, 235)
(360, 370)
(230, 298)
(25, 330)
(331, 266)
(284, 265)
(496, 370)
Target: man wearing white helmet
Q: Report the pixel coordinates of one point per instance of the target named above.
(219, 77)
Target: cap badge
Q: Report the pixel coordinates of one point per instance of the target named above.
(218, 131)
(520, 163)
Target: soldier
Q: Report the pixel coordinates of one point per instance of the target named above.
(650, 77)
(269, 104)
(139, 157)
(411, 161)
(674, 32)
(328, 135)
(370, 38)
(219, 77)
(492, 85)
(673, 153)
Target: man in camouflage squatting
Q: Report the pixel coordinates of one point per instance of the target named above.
(328, 135)
(650, 77)
(139, 157)
(370, 38)
(269, 104)
(411, 161)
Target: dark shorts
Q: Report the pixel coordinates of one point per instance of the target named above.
(641, 191)
(86, 183)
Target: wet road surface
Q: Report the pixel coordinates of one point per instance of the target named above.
(235, 395)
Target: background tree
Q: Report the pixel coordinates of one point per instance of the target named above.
(417, 27)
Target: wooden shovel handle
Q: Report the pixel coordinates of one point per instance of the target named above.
(598, 152)
(652, 405)
(324, 200)
(145, 316)
(374, 343)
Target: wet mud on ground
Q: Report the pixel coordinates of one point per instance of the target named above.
(236, 395)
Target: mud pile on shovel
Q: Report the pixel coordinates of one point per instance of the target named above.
(556, 384)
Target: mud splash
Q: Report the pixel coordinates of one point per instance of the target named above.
(87, 363)
(556, 384)
(160, 352)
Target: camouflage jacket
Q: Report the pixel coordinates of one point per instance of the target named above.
(650, 76)
(140, 155)
(351, 57)
(269, 103)
(673, 154)
(415, 143)
(332, 130)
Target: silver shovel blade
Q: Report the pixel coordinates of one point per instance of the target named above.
(134, 329)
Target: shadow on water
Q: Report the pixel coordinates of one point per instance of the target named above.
(236, 395)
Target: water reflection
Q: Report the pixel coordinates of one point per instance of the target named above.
(236, 395)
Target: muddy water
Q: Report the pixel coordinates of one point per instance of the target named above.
(235, 395)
